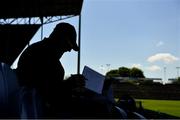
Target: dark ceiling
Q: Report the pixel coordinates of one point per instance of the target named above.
(38, 8)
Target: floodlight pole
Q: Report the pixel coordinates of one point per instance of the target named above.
(79, 44)
(164, 74)
(177, 71)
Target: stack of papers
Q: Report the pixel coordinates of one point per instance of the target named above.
(95, 80)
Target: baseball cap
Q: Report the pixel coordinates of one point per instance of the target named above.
(66, 29)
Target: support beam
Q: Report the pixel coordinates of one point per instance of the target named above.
(79, 44)
(34, 20)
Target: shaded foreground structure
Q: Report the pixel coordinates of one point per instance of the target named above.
(149, 114)
(147, 91)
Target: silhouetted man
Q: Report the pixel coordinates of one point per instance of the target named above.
(39, 66)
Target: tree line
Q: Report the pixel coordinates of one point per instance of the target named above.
(126, 72)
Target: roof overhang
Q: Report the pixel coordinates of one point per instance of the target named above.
(39, 8)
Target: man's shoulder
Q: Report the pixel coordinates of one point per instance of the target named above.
(35, 46)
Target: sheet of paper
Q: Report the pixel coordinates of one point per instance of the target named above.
(95, 80)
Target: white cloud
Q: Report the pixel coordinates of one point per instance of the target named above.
(165, 57)
(154, 68)
(160, 43)
(136, 65)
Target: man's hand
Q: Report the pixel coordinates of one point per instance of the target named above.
(76, 81)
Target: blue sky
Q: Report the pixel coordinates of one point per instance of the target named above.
(128, 32)
(116, 33)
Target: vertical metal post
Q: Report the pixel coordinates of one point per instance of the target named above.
(29, 24)
(42, 22)
(79, 44)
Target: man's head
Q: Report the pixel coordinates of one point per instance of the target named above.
(65, 34)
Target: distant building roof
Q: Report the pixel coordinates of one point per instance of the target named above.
(130, 78)
(172, 79)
